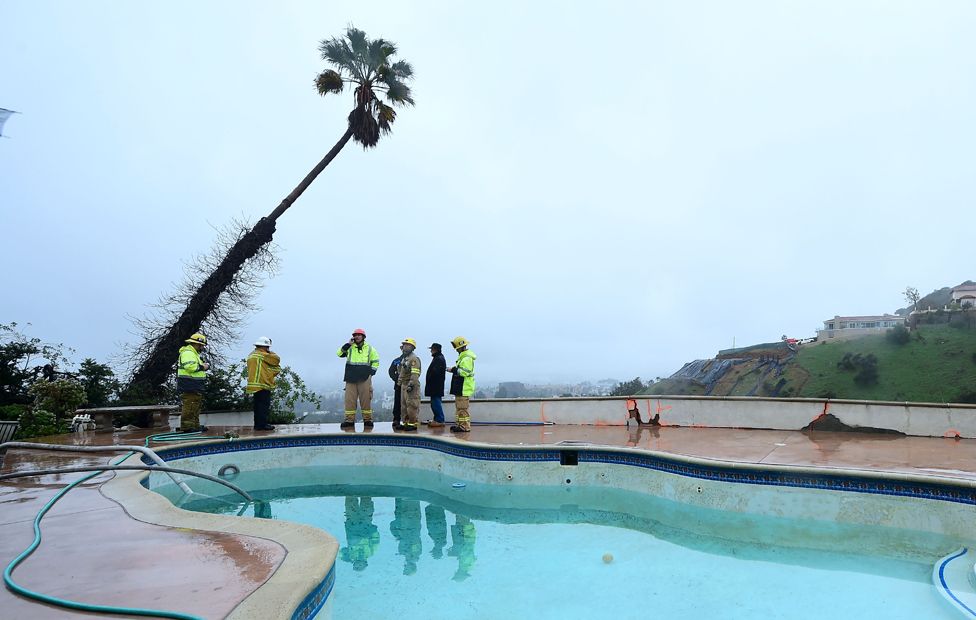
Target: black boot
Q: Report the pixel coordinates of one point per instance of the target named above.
(347, 424)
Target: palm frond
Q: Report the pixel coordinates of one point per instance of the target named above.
(358, 41)
(397, 92)
(374, 57)
(329, 81)
(337, 52)
(385, 116)
(402, 70)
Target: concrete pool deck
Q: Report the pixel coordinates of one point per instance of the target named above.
(93, 551)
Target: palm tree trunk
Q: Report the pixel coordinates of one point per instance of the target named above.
(152, 373)
(300, 189)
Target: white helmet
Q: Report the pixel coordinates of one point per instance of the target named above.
(263, 341)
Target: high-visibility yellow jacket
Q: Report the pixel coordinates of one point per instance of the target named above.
(190, 375)
(262, 370)
(362, 362)
(462, 383)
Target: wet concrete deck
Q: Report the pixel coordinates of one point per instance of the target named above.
(93, 551)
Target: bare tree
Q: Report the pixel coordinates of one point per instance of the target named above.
(912, 296)
(218, 292)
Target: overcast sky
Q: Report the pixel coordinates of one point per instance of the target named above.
(584, 190)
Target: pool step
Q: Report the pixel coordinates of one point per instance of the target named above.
(952, 576)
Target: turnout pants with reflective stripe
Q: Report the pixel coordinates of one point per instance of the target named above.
(363, 394)
(192, 404)
(461, 404)
(410, 404)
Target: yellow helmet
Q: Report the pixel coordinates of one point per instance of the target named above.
(197, 338)
(459, 342)
(410, 341)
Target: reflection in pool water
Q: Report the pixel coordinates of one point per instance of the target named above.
(363, 537)
(423, 549)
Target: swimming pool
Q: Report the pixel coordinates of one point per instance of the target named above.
(600, 533)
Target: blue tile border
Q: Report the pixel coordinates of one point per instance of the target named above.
(316, 599)
(741, 474)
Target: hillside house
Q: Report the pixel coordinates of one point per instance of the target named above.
(853, 326)
(964, 294)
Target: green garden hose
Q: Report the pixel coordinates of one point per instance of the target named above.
(105, 609)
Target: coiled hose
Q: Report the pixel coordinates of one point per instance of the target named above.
(105, 609)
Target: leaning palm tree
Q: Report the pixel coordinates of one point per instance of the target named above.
(215, 295)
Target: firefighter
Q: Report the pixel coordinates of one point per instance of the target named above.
(362, 362)
(362, 537)
(462, 384)
(436, 529)
(405, 528)
(463, 537)
(263, 366)
(410, 384)
(191, 377)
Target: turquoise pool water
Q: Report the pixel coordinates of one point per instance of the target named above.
(414, 546)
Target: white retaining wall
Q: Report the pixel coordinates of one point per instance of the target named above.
(920, 419)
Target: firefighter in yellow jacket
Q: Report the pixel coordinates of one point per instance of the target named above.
(191, 377)
(263, 366)
(462, 384)
(409, 385)
(362, 362)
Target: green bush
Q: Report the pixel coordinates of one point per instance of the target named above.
(966, 397)
(39, 423)
(898, 335)
(12, 412)
(281, 417)
(60, 397)
(865, 365)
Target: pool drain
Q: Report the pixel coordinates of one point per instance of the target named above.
(459, 485)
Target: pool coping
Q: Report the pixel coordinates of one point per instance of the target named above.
(300, 583)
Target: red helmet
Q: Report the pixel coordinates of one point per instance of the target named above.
(359, 331)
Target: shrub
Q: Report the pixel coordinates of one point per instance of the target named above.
(966, 397)
(865, 365)
(60, 397)
(866, 376)
(285, 417)
(38, 423)
(898, 335)
(12, 412)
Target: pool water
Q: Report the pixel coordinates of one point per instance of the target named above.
(414, 546)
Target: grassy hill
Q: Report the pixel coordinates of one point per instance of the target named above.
(938, 364)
